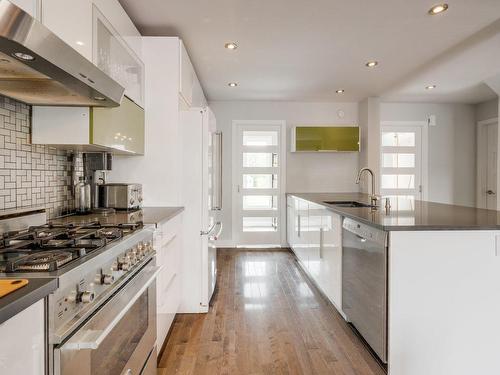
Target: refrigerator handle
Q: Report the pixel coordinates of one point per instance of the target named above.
(218, 207)
(216, 237)
(210, 230)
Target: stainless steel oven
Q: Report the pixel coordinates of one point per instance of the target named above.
(119, 339)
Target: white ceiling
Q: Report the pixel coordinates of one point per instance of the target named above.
(304, 50)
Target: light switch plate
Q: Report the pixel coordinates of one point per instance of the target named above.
(431, 120)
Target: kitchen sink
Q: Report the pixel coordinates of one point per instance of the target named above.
(352, 204)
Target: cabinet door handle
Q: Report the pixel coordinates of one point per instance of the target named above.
(298, 225)
(321, 243)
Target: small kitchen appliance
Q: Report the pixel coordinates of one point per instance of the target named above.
(120, 196)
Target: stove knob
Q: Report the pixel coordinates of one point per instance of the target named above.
(87, 297)
(72, 297)
(126, 266)
(107, 279)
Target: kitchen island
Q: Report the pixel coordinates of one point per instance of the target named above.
(442, 276)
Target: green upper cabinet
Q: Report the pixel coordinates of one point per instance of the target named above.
(325, 139)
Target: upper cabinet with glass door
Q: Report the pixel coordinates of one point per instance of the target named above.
(114, 57)
(101, 31)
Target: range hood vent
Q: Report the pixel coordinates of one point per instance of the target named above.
(38, 68)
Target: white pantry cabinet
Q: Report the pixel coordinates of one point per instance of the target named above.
(22, 342)
(168, 245)
(190, 90)
(70, 20)
(315, 235)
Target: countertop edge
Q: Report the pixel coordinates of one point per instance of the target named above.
(22, 299)
(399, 228)
(175, 212)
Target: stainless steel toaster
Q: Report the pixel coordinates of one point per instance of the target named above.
(120, 196)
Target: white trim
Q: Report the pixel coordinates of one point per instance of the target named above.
(490, 121)
(480, 160)
(282, 186)
(403, 123)
(425, 149)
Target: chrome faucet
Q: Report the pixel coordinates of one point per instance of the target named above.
(374, 199)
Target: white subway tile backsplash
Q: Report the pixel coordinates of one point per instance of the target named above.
(33, 174)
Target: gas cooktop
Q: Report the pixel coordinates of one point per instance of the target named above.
(51, 247)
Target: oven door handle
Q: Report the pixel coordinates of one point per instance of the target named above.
(91, 339)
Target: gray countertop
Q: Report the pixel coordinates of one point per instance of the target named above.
(148, 215)
(17, 301)
(409, 215)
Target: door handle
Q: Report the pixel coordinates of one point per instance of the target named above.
(362, 239)
(490, 192)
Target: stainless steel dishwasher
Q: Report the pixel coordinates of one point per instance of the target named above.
(364, 283)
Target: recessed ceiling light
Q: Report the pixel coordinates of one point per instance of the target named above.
(23, 56)
(371, 64)
(439, 8)
(340, 91)
(232, 84)
(231, 45)
(99, 98)
(80, 43)
(430, 87)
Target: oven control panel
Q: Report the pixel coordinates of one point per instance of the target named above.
(84, 291)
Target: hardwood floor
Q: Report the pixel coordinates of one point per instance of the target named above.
(266, 318)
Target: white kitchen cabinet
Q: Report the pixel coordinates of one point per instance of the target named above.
(120, 130)
(116, 15)
(187, 77)
(329, 272)
(103, 33)
(190, 90)
(168, 244)
(114, 57)
(290, 221)
(31, 7)
(301, 248)
(315, 235)
(70, 20)
(22, 343)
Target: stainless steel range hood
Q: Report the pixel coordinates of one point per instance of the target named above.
(37, 67)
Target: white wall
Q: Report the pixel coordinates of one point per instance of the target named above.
(452, 147)
(369, 122)
(487, 110)
(305, 172)
(159, 170)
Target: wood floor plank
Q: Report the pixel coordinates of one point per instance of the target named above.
(266, 317)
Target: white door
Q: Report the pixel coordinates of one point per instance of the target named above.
(257, 183)
(401, 165)
(487, 166)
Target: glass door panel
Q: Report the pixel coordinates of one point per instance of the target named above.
(401, 165)
(257, 191)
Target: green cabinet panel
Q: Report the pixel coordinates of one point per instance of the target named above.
(326, 138)
(121, 128)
